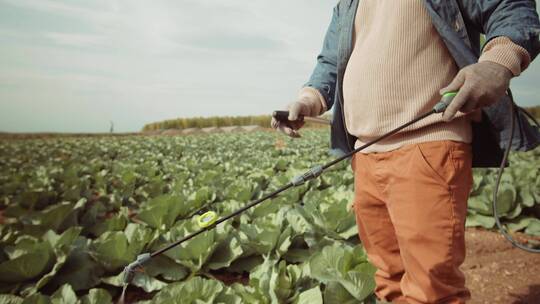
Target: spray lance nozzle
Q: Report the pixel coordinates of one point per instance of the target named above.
(131, 269)
(129, 273)
(205, 221)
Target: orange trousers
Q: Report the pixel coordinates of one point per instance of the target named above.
(410, 206)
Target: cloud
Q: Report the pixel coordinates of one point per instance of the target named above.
(78, 40)
(75, 65)
(52, 7)
(235, 42)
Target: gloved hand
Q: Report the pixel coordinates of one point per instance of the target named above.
(479, 85)
(308, 104)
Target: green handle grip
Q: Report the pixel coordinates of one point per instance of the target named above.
(445, 101)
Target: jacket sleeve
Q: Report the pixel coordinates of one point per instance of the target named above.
(515, 19)
(324, 76)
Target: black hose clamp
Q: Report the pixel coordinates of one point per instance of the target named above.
(129, 270)
(311, 174)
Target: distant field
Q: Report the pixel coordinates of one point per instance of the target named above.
(5, 135)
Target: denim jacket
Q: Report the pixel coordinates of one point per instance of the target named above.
(459, 23)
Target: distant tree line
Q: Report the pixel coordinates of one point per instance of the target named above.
(216, 121)
(205, 122)
(226, 121)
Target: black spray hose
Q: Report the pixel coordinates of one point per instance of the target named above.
(316, 171)
(130, 270)
(503, 231)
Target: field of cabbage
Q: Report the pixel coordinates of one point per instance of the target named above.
(75, 211)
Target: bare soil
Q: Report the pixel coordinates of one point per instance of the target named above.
(496, 272)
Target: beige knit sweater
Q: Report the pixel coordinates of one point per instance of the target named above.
(397, 67)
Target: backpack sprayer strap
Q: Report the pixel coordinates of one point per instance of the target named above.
(514, 112)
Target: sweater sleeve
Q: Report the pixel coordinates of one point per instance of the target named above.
(503, 51)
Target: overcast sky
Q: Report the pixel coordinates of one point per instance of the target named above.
(73, 66)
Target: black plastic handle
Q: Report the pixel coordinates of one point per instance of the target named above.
(284, 116)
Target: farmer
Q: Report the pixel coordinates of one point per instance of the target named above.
(385, 62)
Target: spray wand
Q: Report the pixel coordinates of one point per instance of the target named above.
(209, 220)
